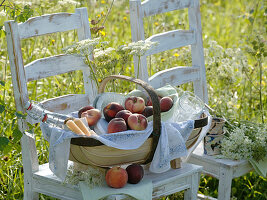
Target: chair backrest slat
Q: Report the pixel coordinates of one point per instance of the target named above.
(150, 8)
(50, 66)
(67, 103)
(45, 67)
(85, 33)
(197, 52)
(174, 76)
(17, 69)
(48, 24)
(171, 40)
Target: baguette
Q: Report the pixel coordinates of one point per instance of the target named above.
(73, 127)
(81, 125)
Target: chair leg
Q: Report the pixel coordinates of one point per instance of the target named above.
(225, 183)
(30, 165)
(28, 193)
(191, 193)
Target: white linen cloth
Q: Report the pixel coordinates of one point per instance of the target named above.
(171, 144)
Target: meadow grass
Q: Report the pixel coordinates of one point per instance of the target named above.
(234, 34)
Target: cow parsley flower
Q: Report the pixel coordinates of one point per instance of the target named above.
(68, 2)
(245, 141)
(138, 48)
(2, 13)
(93, 176)
(102, 53)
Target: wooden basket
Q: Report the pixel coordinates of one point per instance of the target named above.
(89, 151)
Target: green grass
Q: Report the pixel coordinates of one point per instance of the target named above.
(235, 65)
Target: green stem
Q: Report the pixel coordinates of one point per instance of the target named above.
(254, 15)
(138, 66)
(261, 104)
(4, 95)
(111, 5)
(92, 71)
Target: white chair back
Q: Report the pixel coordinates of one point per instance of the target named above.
(171, 40)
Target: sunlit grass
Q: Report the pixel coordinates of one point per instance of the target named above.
(233, 88)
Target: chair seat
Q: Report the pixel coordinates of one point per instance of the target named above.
(172, 181)
(223, 169)
(45, 182)
(211, 164)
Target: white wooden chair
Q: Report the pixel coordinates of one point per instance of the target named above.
(39, 178)
(224, 170)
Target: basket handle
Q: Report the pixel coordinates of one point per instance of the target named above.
(155, 103)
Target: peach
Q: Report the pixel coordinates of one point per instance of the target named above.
(149, 101)
(137, 122)
(166, 104)
(83, 109)
(123, 114)
(148, 111)
(135, 104)
(92, 116)
(116, 177)
(111, 110)
(135, 173)
(117, 125)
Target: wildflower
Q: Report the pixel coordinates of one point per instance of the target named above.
(68, 2)
(23, 3)
(103, 2)
(99, 53)
(98, 15)
(176, 55)
(43, 51)
(93, 176)
(125, 18)
(84, 46)
(53, 42)
(139, 48)
(156, 23)
(245, 141)
(103, 33)
(247, 15)
(102, 13)
(229, 52)
(2, 13)
(162, 59)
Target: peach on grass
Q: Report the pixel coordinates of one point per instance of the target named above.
(116, 177)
